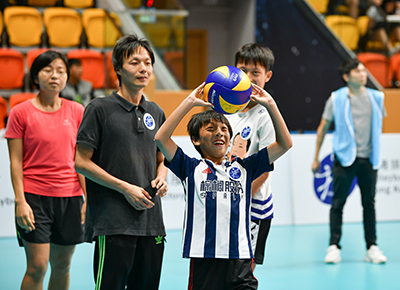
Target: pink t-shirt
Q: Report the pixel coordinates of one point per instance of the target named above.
(49, 141)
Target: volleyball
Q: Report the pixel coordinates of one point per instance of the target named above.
(228, 89)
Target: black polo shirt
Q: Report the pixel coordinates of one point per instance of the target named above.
(122, 136)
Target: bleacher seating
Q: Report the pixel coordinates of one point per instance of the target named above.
(99, 29)
(321, 6)
(12, 69)
(395, 65)
(92, 64)
(63, 26)
(32, 54)
(379, 66)
(111, 76)
(346, 28)
(78, 3)
(3, 111)
(20, 97)
(24, 25)
(42, 3)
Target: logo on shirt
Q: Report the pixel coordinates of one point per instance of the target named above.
(66, 122)
(212, 187)
(323, 187)
(207, 170)
(245, 133)
(149, 121)
(235, 173)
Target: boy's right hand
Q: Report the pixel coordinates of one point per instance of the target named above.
(196, 97)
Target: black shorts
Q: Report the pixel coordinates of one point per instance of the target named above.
(132, 261)
(259, 235)
(217, 274)
(57, 220)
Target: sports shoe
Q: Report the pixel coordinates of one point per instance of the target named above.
(375, 255)
(333, 255)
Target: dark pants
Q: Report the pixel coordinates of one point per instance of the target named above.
(342, 180)
(221, 274)
(128, 262)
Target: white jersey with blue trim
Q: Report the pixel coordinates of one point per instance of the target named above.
(217, 209)
(256, 125)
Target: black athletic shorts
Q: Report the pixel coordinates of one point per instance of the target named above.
(218, 274)
(128, 262)
(57, 220)
(259, 235)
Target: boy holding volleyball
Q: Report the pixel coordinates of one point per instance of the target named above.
(218, 192)
(254, 124)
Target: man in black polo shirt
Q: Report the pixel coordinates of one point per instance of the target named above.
(125, 175)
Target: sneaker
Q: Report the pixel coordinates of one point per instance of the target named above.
(333, 255)
(375, 255)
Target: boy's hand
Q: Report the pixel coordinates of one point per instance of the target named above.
(259, 95)
(196, 97)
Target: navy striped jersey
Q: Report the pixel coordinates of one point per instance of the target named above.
(218, 199)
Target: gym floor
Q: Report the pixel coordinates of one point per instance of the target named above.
(294, 260)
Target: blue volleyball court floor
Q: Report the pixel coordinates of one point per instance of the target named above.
(294, 260)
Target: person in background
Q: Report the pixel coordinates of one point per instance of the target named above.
(254, 124)
(77, 89)
(357, 112)
(49, 204)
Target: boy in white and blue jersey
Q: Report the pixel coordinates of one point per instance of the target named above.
(218, 192)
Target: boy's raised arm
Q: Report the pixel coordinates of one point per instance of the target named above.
(283, 139)
(163, 135)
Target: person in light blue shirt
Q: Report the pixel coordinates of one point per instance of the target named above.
(357, 112)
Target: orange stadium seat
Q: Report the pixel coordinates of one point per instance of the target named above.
(395, 64)
(12, 69)
(32, 54)
(24, 25)
(78, 3)
(63, 26)
(111, 76)
(346, 28)
(42, 3)
(20, 97)
(92, 64)
(379, 66)
(100, 30)
(320, 6)
(3, 112)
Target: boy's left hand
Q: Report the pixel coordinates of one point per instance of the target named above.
(261, 96)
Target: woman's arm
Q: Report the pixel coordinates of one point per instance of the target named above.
(23, 212)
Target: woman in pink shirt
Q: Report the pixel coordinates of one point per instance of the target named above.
(49, 203)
